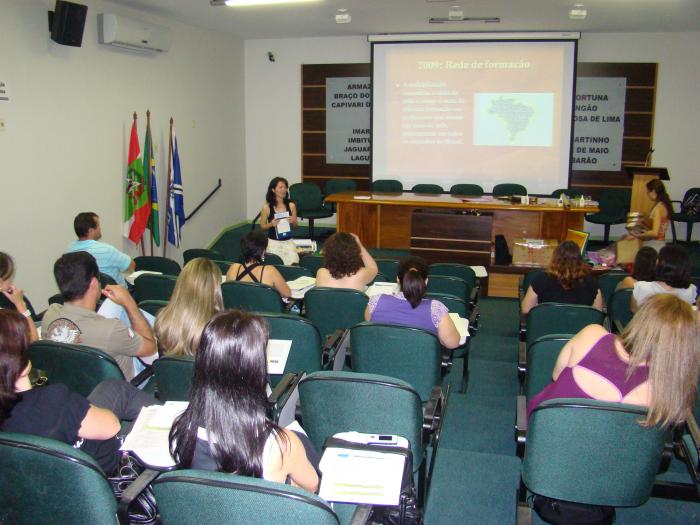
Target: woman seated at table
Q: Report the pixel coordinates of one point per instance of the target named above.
(53, 411)
(225, 426)
(659, 217)
(567, 280)
(253, 246)
(346, 263)
(654, 363)
(13, 293)
(195, 300)
(672, 276)
(410, 307)
(644, 268)
(279, 208)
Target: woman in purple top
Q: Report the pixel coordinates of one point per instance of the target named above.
(654, 363)
(410, 308)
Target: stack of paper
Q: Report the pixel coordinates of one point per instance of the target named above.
(132, 276)
(277, 355)
(148, 440)
(380, 288)
(462, 326)
(301, 285)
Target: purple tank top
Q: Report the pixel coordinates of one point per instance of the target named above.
(393, 309)
(601, 359)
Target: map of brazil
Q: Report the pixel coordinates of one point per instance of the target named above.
(513, 119)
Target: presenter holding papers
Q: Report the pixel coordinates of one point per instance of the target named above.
(278, 217)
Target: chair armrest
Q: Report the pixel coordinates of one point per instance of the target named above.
(361, 515)
(331, 348)
(522, 332)
(282, 401)
(446, 360)
(520, 425)
(618, 326)
(474, 316)
(132, 492)
(142, 376)
(522, 357)
(432, 411)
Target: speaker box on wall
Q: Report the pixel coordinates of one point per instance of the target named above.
(67, 23)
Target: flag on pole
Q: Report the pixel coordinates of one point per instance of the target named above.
(136, 208)
(149, 165)
(176, 203)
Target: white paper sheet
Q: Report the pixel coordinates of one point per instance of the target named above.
(380, 288)
(462, 326)
(277, 355)
(301, 285)
(133, 275)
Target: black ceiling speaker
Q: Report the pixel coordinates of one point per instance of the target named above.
(67, 23)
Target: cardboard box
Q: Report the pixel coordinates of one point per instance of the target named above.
(533, 252)
(626, 250)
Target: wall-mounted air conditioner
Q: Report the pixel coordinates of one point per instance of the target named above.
(121, 31)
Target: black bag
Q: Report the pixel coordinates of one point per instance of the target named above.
(502, 255)
(559, 512)
(143, 510)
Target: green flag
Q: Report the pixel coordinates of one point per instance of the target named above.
(149, 168)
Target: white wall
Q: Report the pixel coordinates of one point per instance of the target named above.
(67, 128)
(273, 96)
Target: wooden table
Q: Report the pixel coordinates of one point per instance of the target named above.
(383, 220)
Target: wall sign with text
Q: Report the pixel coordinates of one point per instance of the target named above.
(347, 120)
(599, 121)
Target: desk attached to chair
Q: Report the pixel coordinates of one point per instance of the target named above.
(447, 228)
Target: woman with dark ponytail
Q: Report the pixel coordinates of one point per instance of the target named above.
(410, 308)
(659, 216)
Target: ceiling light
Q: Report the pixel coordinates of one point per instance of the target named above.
(242, 3)
(578, 12)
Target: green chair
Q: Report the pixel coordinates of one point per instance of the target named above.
(523, 284)
(252, 297)
(614, 205)
(218, 498)
(432, 189)
(380, 278)
(557, 318)
(333, 402)
(508, 190)
(271, 258)
(451, 285)
(467, 189)
(619, 313)
(332, 309)
(309, 201)
(338, 186)
(387, 186)
(306, 353)
(150, 286)
(388, 267)
(205, 253)
(688, 213)
(607, 283)
(152, 306)
(312, 263)
(293, 272)
(574, 453)
(462, 271)
(173, 377)
(153, 263)
(80, 368)
(411, 354)
(106, 280)
(46, 481)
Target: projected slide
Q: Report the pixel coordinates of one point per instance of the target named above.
(477, 112)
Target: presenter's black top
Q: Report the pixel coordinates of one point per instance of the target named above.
(549, 290)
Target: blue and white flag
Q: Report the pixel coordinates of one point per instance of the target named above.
(176, 201)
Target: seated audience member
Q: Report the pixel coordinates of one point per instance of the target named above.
(346, 263)
(672, 276)
(654, 235)
(410, 307)
(195, 300)
(253, 270)
(654, 363)
(644, 268)
(225, 426)
(13, 293)
(567, 280)
(77, 322)
(110, 261)
(55, 412)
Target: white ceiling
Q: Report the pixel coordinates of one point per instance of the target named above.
(411, 16)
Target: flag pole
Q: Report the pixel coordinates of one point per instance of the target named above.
(167, 215)
(148, 178)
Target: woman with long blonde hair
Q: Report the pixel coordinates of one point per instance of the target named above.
(654, 363)
(567, 280)
(195, 300)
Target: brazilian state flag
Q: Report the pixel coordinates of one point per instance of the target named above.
(149, 168)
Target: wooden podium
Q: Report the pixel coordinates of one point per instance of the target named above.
(640, 177)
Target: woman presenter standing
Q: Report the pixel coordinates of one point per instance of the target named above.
(278, 217)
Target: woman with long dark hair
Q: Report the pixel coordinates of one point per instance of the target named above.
(567, 280)
(659, 216)
(644, 268)
(279, 208)
(410, 307)
(225, 426)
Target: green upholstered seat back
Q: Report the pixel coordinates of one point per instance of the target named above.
(80, 368)
(293, 272)
(252, 297)
(451, 285)
(311, 263)
(387, 185)
(467, 189)
(591, 452)
(619, 307)
(462, 271)
(149, 286)
(331, 309)
(152, 306)
(154, 263)
(193, 253)
(433, 189)
(607, 283)
(541, 358)
(173, 377)
(555, 318)
(508, 189)
(46, 481)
